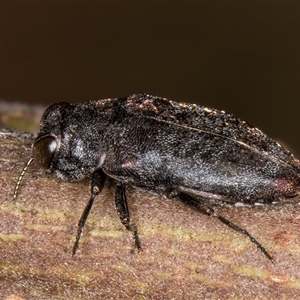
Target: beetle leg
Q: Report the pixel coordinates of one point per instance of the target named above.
(123, 212)
(209, 211)
(97, 185)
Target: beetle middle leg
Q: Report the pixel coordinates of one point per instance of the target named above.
(209, 211)
(123, 212)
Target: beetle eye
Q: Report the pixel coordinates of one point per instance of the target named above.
(43, 151)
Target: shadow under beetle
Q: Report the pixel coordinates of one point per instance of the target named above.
(202, 156)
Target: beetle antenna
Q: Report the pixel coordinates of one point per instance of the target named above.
(20, 178)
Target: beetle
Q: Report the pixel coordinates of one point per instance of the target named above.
(201, 155)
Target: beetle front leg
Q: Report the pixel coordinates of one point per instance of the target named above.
(123, 212)
(97, 184)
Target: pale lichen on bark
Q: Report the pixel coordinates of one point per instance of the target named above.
(186, 255)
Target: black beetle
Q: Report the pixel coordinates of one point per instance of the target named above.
(202, 156)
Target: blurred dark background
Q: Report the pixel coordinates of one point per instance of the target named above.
(242, 57)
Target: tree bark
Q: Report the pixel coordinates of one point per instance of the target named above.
(186, 255)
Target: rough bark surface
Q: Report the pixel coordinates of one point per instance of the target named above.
(186, 255)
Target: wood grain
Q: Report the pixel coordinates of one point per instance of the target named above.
(186, 255)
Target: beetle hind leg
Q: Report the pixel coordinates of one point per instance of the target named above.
(123, 212)
(210, 211)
